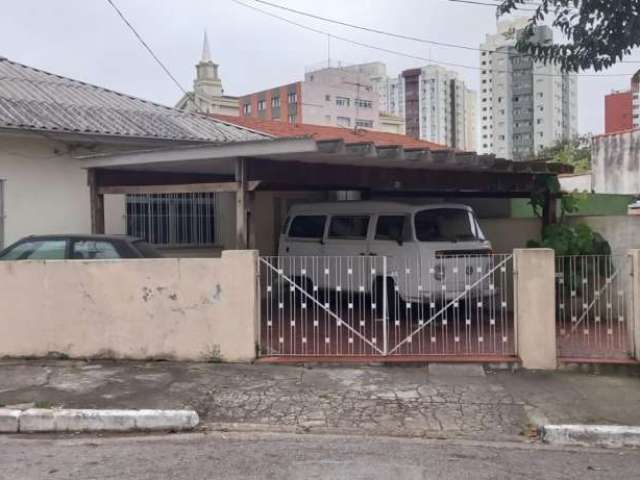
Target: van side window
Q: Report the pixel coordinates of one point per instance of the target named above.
(307, 226)
(390, 227)
(349, 227)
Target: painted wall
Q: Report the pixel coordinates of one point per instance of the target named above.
(45, 189)
(616, 163)
(506, 234)
(183, 309)
(621, 231)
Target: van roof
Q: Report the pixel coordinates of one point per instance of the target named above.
(354, 207)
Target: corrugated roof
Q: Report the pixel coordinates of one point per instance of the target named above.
(322, 132)
(31, 99)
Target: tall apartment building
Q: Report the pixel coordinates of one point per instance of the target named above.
(524, 105)
(622, 108)
(436, 105)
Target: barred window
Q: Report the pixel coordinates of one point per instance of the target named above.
(172, 220)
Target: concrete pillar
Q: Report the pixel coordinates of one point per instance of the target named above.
(242, 328)
(535, 308)
(633, 321)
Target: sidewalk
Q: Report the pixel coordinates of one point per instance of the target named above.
(442, 401)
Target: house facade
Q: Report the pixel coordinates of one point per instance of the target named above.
(49, 123)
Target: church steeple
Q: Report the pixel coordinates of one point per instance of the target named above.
(206, 52)
(207, 83)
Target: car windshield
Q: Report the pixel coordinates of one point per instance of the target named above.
(445, 225)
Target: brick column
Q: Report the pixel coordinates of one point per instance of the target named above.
(535, 308)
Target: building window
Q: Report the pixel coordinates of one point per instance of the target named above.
(327, 98)
(172, 220)
(262, 104)
(343, 121)
(246, 109)
(363, 103)
(292, 97)
(343, 101)
(275, 102)
(292, 118)
(364, 123)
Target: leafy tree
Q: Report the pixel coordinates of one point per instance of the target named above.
(599, 32)
(575, 152)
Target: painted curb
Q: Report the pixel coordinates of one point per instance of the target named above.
(9, 420)
(608, 436)
(37, 420)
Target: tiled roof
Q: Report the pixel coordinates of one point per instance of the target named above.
(31, 99)
(321, 132)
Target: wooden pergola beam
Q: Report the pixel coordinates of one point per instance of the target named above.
(178, 188)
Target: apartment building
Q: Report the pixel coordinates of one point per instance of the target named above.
(524, 105)
(437, 106)
(334, 96)
(622, 108)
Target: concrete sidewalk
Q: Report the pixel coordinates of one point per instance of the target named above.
(442, 401)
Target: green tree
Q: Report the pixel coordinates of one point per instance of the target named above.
(599, 33)
(575, 152)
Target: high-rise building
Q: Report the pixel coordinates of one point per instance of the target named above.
(622, 108)
(437, 106)
(208, 95)
(524, 105)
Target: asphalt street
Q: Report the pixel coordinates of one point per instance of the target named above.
(295, 456)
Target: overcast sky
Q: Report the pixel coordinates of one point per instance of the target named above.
(86, 40)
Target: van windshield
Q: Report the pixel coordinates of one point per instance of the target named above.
(446, 225)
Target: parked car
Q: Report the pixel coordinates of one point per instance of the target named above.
(78, 247)
(422, 244)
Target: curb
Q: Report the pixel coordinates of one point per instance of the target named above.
(38, 420)
(608, 436)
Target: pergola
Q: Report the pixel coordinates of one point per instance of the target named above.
(303, 164)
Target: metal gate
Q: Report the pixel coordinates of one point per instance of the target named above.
(378, 306)
(592, 309)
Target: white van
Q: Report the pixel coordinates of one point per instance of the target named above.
(416, 239)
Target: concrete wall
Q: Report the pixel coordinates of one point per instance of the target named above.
(615, 163)
(45, 189)
(184, 309)
(507, 234)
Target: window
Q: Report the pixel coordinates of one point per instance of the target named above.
(308, 226)
(390, 227)
(261, 105)
(343, 121)
(246, 109)
(444, 225)
(327, 98)
(38, 250)
(349, 228)
(364, 123)
(343, 101)
(292, 118)
(363, 103)
(275, 102)
(180, 219)
(92, 250)
(292, 97)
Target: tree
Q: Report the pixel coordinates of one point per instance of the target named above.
(599, 32)
(575, 152)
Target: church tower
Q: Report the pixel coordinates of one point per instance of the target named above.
(208, 94)
(207, 82)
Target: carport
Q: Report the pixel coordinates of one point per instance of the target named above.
(316, 167)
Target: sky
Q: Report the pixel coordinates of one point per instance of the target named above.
(86, 40)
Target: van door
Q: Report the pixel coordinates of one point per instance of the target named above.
(304, 236)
